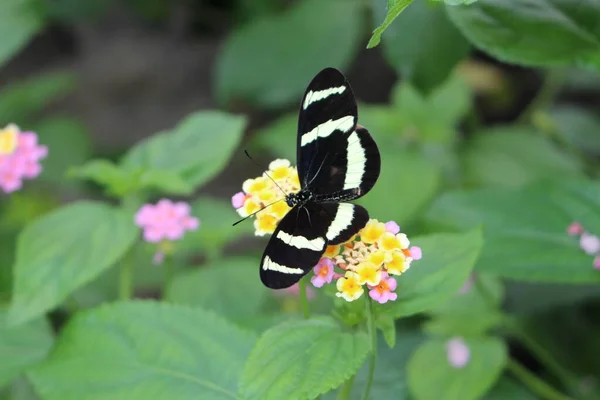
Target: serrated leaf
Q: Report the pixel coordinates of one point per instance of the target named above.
(142, 350)
(274, 39)
(514, 156)
(394, 8)
(525, 229)
(435, 47)
(520, 34)
(446, 264)
(487, 359)
(63, 250)
(289, 361)
(242, 296)
(21, 347)
(18, 24)
(197, 149)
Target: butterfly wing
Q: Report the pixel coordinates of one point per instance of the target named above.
(345, 220)
(295, 247)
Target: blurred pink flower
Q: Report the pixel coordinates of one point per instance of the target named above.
(384, 291)
(457, 352)
(392, 227)
(597, 262)
(22, 163)
(575, 229)
(589, 243)
(294, 290)
(165, 221)
(238, 199)
(323, 272)
(416, 253)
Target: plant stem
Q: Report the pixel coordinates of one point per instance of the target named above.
(373, 335)
(550, 88)
(346, 389)
(535, 384)
(126, 276)
(303, 298)
(168, 269)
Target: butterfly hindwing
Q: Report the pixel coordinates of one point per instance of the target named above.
(346, 220)
(295, 247)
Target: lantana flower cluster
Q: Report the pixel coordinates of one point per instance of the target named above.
(368, 261)
(588, 242)
(20, 156)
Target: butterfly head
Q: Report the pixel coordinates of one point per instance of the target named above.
(300, 198)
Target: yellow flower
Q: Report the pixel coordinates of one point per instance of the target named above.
(398, 264)
(388, 242)
(368, 273)
(279, 163)
(349, 287)
(253, 186)
(249, 207)
(378, 257)
(332, 251)
(372, 231)
(279, 209)
(9, 138)
(267, 195)
(280, 173)
(265, 224)
(294, 180)
(403, 240)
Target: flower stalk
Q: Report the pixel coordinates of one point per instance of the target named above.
(372, 331)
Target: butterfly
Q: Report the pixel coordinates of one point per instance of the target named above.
(337, 161)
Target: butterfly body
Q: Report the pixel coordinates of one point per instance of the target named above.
(338, 161)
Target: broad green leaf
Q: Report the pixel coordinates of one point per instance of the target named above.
(18, 24)
(515, 156)
(242, 295)
(21, 347)
(488, 357)
(105, 173)
(434, 48)
(476, 324)
(394, 8)
(457, 2)
(299, 360)
(579, 126)
(164, 181)
(63, 250)
(471, 300)
(533, 32)
(279, 137)
(197, 149)
(508, 389)
(144, 350)
(20, 389)
(446, 264)
(278, 63)
(525, 229)
(387, 325)
(216, 230)
(395, 196)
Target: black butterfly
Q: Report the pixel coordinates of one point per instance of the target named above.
(337, 161)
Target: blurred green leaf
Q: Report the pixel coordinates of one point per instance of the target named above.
(579, 126)
(514, 156)
(395, 197)
(447, 262)
(387, 325)
(20, 389)
(242, 296)
(471, 302)
(63, 250)
(216, 230)
(526, 229)
(141, 350)
(463, 324)
(197, 149)
(18, 24)
(533, 32)
(508, 389)
(164, 181)
(269, 64)
(278, 366)
(279, 137)
(68, 143)
(21, 347)
(103, 172)
(393, 10)
(488, 357)
(434, 48)
(19, 100)
(457, 2)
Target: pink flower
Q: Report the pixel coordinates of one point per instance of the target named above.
(383, 292)
(294, 290)
(323, 272)
(597, 262)
(575, 229)
(589, 243)
(238, 199)
(392, 227)
(22, 163)
(165, 220)
(458, 352)
(416, 253)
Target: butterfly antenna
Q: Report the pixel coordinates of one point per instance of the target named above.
(266, 173)
(256, 212)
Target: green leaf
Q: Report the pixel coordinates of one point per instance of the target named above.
(578, 126)
(507, 388)
(457, 2)
(103, 172)
(164, 181)
(471, 302)
(20, 100)
(387, 324)
(18, 24)
(526, 229)
(446, 264)
(63, 250)
(434, 48)
(21, 347)
(515, 156)
(463, 324)
(279, 137)
(241, 296)
(533, 32)
(144, 350)
(197, 149)
(392, 197)
(274, 39)
(299, 360)
(394, 8)
(488, 357)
